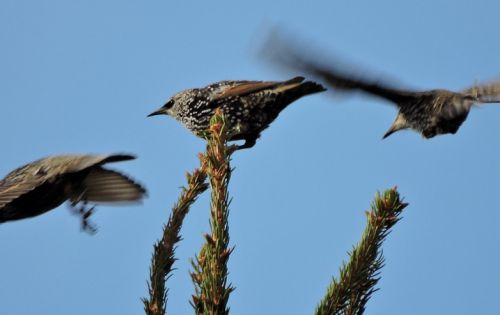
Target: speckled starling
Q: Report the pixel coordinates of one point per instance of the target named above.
(431, 112)
(43, 185)
(249, 106)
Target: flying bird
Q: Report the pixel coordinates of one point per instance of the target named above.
(249, 106)
(431, 112)
(43, 185)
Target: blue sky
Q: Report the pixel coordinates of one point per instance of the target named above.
(81, 76)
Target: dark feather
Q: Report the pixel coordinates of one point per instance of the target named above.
(243, 88)
(107, 186)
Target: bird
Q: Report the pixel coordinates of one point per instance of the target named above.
(42, 185)
(429, 112)
(249, 106)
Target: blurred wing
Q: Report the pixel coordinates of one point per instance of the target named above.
(11, 190)
(242, 88)
(102, 186)
(284, 53)
(31, 176)
(485, 93)
(337, 80)
(78, 163)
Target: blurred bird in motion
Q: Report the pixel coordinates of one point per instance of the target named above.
(43, 185)
(431, 112)
(249, 106)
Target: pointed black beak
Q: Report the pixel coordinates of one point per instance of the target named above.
(388, 133)
(158, 112)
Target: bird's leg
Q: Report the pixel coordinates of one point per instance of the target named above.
(79, 207)
(249, 142)
(84, 214)
(78, 199)
(88, 226)
(242, 131)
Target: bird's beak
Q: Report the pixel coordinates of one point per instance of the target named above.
(388, 133)
(158, 112)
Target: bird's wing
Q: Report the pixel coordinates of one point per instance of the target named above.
(64, 164)
(242, 88)
(107, 186)
(340, 81)
(13, 187)
(283, 51)
(485, 93)
(31, 176)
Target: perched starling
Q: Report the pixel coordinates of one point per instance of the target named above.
(43, 185)
(431, 112)
(249, 106)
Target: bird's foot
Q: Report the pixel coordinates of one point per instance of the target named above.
(85, 214)
(87, 225)
(231, 148)
(248, 144)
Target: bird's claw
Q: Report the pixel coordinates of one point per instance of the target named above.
(86, 224)
(231, 148)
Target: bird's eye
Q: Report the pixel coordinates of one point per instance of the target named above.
(169, 104)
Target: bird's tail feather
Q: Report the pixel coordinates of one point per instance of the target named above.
(310, 87)
(299, 88)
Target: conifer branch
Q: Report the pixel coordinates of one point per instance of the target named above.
(210, 266)
(164, 250)
(360, 275)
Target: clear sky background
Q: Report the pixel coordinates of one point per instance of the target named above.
(81, 76)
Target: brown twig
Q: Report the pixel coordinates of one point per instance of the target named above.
(210, 266)
(164, 250)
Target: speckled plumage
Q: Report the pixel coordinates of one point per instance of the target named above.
(43, 185)
(249, 106)
(431, 112)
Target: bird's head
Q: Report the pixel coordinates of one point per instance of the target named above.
(165, 109)
(462, 104)
(469, 97)
(176, 103)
